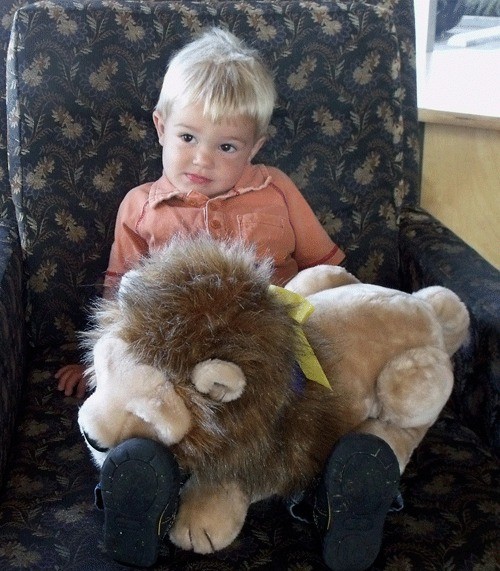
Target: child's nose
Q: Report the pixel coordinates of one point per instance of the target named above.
(202, 157)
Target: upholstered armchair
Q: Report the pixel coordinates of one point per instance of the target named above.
(75, 125)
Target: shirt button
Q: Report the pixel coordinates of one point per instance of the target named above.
(215, 224)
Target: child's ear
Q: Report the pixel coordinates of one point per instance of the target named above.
(256, 148)
(160, 126)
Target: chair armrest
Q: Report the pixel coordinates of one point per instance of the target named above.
(12, 335)
(431, 254)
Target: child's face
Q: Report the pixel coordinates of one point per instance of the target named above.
(201, 155)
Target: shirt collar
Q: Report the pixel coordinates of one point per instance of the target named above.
(254, 177)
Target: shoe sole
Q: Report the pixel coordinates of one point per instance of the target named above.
(361, 480)
(140, 485)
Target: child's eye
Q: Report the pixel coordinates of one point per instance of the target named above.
(186, 137)
(227, 148)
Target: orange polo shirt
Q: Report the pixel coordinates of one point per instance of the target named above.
(264, 208)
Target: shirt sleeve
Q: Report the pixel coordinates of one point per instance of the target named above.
(128, 246)
(313, 245)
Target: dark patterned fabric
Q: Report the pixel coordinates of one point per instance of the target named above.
(7, 10)
(12, 351)
(428, 251)
(402, 20)
(83, 78)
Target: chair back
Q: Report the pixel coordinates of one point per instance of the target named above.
(83, 79)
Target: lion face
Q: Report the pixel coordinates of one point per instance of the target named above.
(193, 342)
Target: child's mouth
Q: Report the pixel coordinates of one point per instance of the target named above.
(197, 179)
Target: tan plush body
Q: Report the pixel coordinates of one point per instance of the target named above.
(197, 353)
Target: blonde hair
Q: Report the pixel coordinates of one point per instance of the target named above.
(228, 78)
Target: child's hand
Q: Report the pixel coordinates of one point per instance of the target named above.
(71, 378)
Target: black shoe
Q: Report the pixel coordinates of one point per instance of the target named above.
(358, 486)
(140, 485)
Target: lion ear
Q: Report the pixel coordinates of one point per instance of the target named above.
(220, 380)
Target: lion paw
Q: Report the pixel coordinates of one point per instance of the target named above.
(209, 519)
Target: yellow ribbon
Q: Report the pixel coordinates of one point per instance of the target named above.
(299, 310)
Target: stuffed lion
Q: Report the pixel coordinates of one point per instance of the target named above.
(199, 353)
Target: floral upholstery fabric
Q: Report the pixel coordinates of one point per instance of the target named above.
(7, 11)
(82, 80)
(476, 395)
(12, 355)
